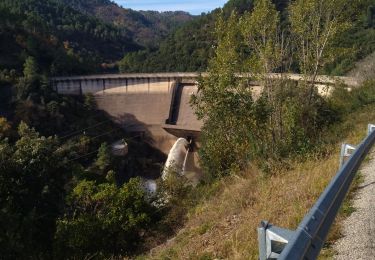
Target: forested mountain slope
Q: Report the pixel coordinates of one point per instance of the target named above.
(357, 43)
(191, 46)
(61, 39)
(147, 28)
(77, 36)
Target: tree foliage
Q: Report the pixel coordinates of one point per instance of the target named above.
(60, 39)
(102, 220)
(104, 157)
(286, 117)
(49, 207)
(314, 26)
(4, 127)
(30, 69)
(147, 28)
(189, 48)
(32, 178)
(226, 106)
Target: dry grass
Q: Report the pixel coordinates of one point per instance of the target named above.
(364, 69)
(224, 227)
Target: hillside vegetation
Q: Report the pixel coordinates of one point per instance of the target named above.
(224, 226)
(191, 47)
(77, 37)
(62, 40)
(147, 28)
(187, 49)
(63, 194)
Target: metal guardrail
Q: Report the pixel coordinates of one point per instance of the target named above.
(308, 239)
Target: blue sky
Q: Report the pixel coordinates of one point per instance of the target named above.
(191, 6)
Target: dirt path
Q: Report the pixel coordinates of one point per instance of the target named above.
(358, 241)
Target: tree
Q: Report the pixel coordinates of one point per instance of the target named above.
(104, 157)
(286, 117)
(292, 122)
(4, 127)
(314, 25)
(30, 68)
(89, 101)
(33, 176)
(266, 39)
(225, 104)
(103, 220)
(268, 45)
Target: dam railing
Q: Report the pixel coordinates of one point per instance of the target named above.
(308, 239)
(320, 79)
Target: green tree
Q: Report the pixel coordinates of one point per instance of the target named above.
(264, 37)
(33, 175)
(89, 102)
(286, 117)
(30, 69)
(314, 25)
(4, 127)
(103, 220)
(104, 159)
(270, 50)
(225, 104)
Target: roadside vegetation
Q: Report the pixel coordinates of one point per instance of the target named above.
(223, 225)
(287, 118)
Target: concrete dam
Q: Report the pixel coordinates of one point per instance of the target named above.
(156, 105)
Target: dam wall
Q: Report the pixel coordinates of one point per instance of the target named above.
(141, 108)
(142, 104)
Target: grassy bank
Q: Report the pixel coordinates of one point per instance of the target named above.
(224, 226)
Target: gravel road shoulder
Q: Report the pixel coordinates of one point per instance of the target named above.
(358, 241)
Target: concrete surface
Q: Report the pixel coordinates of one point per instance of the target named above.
(351, 81)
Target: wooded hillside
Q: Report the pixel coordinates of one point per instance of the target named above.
(147, 28)
(77, 37)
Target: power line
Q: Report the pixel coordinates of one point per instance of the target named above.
(84, 129)
(105, 133)
(83, 156)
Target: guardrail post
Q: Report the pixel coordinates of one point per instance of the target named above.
(346, 151)
(272, 240)
(370, 128)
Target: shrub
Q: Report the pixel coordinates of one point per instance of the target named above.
(103, 219)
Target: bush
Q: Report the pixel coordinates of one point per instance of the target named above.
(103, 220)
(344, 101)
(33, 174)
